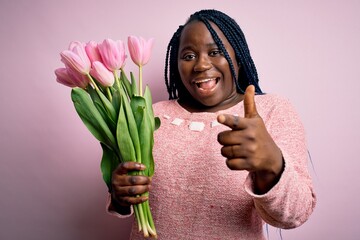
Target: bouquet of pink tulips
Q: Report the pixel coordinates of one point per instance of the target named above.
(115, 109)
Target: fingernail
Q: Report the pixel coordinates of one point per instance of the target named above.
(141, 166)
(221, 118)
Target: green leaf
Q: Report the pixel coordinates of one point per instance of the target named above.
(124, 80)
(146, 135)
(154, 120)
(100, 107)
(138, 105)
(98, 84)
(112, 89)
(91, 117)
(131, 124)
(145, 123)
(116, 85)
(157, 123)
(111, 124)
(107, 105)
(146, 128)
(125, 144)
(133, 85)
(116, 101)
(149, 110)
(109, 162)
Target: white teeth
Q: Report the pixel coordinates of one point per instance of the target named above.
(205, 80)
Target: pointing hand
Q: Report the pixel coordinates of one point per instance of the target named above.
(248, 145)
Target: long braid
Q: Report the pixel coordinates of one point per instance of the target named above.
(171, 72)
(233, 33)
(237, 40)
(169, 88)
(220, 44)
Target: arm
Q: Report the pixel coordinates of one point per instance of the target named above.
(291, 200)
(274, 154)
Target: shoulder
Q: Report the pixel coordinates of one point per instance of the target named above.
(165, 106)
(274, 105)
(270, 99)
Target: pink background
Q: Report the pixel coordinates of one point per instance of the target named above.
(51, 187)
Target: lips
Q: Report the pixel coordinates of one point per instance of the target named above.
(206, 84)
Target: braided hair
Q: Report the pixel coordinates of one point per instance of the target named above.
(231, 30)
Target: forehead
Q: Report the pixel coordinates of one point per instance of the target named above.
(196, 32)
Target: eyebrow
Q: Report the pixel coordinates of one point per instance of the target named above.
(211, 44)
(189, 47)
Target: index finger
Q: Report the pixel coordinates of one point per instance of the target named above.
(126, 167)
(232, 121)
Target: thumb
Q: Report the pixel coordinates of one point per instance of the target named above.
(249, 102)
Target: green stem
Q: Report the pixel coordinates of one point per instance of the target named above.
(117, 79)
(136, 209)
(93, 82)
(150, 226)
(140, 81)
(109, 94)
(150, 218)
(151, 231)
(143, 220)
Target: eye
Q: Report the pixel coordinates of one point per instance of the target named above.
(188, 56)
(215, 52)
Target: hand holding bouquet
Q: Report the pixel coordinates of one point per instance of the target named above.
(115, 109)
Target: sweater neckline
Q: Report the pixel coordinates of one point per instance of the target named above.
(230, 110)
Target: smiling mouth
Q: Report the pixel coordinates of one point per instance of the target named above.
(207, 84)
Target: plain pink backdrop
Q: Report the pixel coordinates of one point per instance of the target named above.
(51, 187)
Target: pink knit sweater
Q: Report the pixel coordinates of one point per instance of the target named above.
(195, 196)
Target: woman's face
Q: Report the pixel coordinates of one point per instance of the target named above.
(205, 71)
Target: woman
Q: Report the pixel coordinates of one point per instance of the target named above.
(219, 179)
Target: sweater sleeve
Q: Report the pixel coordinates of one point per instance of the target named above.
(111, 209)
(291, 201)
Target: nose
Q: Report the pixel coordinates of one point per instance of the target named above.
(203, 63)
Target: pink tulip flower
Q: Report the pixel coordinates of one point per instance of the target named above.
(102, 74)
(92, 51)
(63, 77)
(70, 78)
(112, 53)
(76, 58)
(81, 81)
(140, 49)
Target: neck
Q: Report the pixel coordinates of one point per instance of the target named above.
(194, 106)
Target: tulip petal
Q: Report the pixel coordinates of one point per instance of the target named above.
(80, 80)
(135, 49)
(92, 51)
(147, 50)
(112, 54)
(102, 74)
(76, 58)
(63, 77)
(140, 49)
(71, 78)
